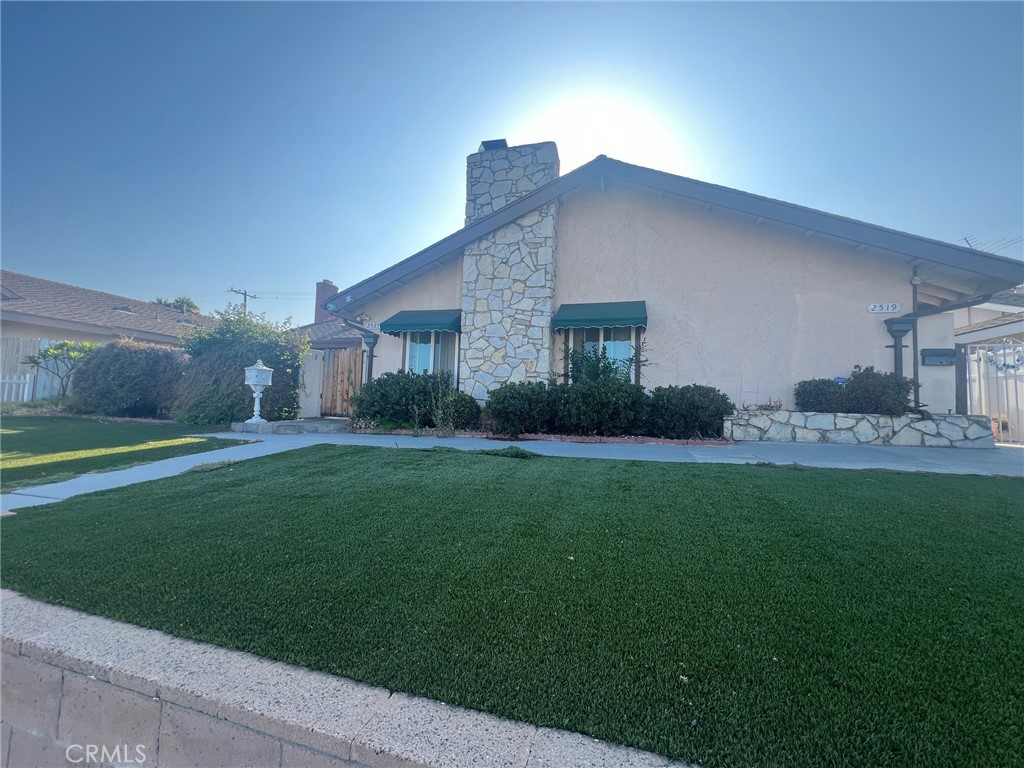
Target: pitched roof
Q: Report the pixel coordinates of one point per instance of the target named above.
(995, 322)
(996, 272)
(44, 302)
(331, 333)
(1012, 297)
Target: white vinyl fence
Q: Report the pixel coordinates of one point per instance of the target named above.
(995, 387)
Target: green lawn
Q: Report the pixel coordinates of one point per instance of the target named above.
(729, 615)
(49, 449)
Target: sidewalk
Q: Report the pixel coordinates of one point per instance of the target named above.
(1002, 460)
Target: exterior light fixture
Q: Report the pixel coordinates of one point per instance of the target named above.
(258, 377)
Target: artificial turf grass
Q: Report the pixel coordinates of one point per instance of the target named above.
(44, 449)
(799, 618)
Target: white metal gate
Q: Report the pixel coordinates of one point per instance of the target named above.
(995, 387)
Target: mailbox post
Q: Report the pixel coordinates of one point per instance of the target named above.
(258, 378)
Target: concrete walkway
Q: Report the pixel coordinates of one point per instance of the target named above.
(1002, 460)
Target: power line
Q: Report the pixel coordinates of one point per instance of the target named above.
(245, 298)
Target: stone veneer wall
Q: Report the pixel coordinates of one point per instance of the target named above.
(861, 429)
(508, 298)
(496, 177)
(508, 276)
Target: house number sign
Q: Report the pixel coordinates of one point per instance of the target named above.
(884, 308)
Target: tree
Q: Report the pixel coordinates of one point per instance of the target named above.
(182, 304)
(213, 390)
(61, 359)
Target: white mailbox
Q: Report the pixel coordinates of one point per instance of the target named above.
(258, 378)
(258, 375)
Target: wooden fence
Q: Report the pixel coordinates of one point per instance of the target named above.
(41, 385)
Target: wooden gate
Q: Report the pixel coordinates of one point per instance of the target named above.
(342, 375)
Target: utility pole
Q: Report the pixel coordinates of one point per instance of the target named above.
(245, 299)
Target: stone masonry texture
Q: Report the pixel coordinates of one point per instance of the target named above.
(941, 431)
(508, 276)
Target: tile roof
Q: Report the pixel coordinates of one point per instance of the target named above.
(33, 299)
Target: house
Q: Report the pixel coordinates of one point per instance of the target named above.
(744, 293)
(34, 313)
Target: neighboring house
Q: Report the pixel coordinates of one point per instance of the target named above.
(990, 362)
(998, 319)
(34, 313)
(742, 292)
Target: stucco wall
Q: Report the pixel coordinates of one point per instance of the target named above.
(938, 382)
(748, 308)
(440, 288)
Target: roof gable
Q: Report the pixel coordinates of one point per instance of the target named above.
(997, 270)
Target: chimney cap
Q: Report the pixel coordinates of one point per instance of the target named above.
(486, 146)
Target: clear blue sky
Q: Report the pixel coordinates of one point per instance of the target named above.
(162, 149)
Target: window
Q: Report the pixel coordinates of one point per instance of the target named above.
(431, 351)
(617, 342)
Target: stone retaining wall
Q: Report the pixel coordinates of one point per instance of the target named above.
(945, 431)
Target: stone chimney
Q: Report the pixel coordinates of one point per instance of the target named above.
(508, 275)
(324, 290)
(498, 174)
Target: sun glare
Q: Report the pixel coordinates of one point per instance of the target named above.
(607, 123)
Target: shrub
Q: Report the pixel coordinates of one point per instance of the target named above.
(452, 409)
(518, 407)
(128, 378)
(414, 400)
(870, 391)
(213, 387)
(587, 407)
(866, 391)
(467, 411)
(821, 395)
(691, 411)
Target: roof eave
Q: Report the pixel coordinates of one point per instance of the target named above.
(1006, 271)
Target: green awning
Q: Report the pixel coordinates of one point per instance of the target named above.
(423, 320)
(610, 314)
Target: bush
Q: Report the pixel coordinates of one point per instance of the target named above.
(866, 391)
(821, 395)
(691, 411)
(467, 411)
(452, 409)
(128, 378)
(213, 387)
(517, 408)
(609, 408)
(415, 400)
(870, 391)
